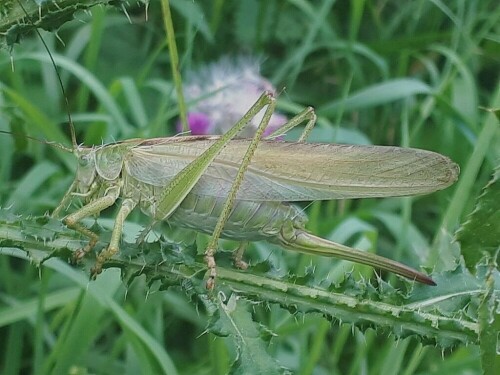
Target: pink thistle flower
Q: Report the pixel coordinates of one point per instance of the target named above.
(222, 92)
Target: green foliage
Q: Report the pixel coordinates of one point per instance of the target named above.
(402, 73)
(479, 236)
(21, 17)
(489, 323)
(235, 320)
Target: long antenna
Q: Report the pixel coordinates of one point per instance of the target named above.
(24, 136)
(70, 120)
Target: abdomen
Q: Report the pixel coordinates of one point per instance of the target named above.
(251, 221)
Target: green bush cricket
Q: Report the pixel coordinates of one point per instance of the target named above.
(240, 189)
(236, 188)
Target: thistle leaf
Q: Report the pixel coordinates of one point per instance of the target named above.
(479, 236)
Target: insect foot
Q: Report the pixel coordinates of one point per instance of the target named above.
(238, 256)
(102, 258)
(210, 261)
(81, 253)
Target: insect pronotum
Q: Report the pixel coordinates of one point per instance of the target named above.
(240, 188)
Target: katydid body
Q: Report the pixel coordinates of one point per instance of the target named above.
(139, 171)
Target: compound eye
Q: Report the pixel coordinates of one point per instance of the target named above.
(84, 160)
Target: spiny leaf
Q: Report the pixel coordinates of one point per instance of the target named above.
(479, 236)
(47, 15)
(44, 228)
(451, 297)
(489, 324)
(445, 315)
(8, 217)
(235, 321)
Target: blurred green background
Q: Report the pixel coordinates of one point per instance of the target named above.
(404, 73)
